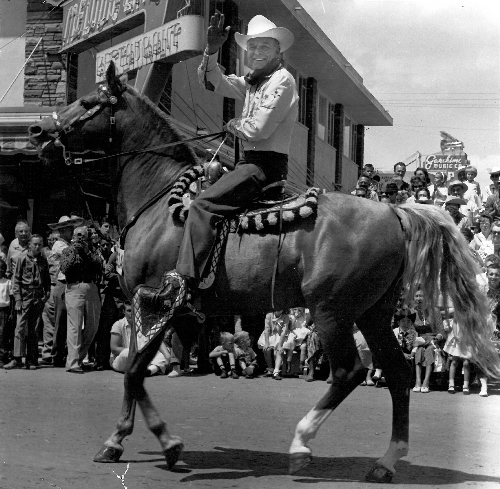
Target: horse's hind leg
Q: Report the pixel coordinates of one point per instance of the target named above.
(134, 391)
(348, 372)
(375, 324)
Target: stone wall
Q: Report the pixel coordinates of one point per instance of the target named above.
(45, 76)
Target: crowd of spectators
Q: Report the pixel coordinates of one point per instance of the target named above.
(61, 305)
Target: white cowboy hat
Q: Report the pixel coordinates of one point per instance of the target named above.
(495, 169)
(66, 221)
(259, 26)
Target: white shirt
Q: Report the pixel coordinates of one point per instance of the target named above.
(269, 109)
(5, 292)
(58, 247)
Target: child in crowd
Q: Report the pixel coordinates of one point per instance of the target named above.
(120, 343)
(245, 355)
(405, 331)
(224, 357)
(473, 189)
(457, 354)
(271, 343)
(296, 336)
(5, 305)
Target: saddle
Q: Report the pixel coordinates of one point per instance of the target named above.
(277, 203)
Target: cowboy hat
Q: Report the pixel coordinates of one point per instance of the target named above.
(495, 169)
(66, 221)
(259, 26)
(454, 200)
(455, 183)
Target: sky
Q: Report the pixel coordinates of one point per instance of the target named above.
(433, 64)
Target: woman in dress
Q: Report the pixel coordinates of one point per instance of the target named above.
(271, 342)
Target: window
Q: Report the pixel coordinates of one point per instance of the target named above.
(302, 89)
(347, 137)
(322, 106)
(331, 124)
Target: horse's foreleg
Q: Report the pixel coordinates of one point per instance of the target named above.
(135, 392)
(112, 449)
(171, 445)
(375, 326)
(348, 372)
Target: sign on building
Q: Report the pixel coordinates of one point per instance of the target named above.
(174, 41)
(446, 163)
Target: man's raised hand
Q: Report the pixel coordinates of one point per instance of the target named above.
(216, 34)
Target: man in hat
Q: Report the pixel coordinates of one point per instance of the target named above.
(470, 209)
(54, 315)
(388, 192)
(270, 107)
(453, 206)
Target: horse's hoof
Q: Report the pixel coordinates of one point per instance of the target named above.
(108, 455)
(379, 473)
(299, 461)
(173, 454)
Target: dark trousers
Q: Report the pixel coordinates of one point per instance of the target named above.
(4, 318)
(60, 324)
(25, 338)
(233, 193)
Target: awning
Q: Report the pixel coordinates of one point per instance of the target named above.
(13, 145)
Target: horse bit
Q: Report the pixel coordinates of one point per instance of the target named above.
(105, 97)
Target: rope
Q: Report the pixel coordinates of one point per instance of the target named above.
(21, 70)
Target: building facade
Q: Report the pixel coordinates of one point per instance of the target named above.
(159, 44)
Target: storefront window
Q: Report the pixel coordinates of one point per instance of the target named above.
(322, 105)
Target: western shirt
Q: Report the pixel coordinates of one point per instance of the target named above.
(269, 109)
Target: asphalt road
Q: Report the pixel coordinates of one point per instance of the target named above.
(237, 434)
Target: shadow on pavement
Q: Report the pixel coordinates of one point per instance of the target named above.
(239, 464)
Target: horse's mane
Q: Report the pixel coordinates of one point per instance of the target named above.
(187, 151)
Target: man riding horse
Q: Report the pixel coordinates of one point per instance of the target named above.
(265, 129)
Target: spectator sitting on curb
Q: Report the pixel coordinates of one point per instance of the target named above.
(120, 344)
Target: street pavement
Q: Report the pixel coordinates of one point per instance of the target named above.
(236, 434)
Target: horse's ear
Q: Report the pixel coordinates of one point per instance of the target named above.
(111, 73)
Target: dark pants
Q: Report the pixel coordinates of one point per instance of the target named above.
(4, 318)
(60, 324)
(25, 338)
(233, 193)
(110, 313)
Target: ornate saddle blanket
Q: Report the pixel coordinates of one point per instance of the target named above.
(265, 216)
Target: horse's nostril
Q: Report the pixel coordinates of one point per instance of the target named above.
(35, 130)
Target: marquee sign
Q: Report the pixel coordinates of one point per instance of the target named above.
(445, 162)
(90, 22)
(179, 39)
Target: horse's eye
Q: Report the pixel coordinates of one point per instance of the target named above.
(85, 104)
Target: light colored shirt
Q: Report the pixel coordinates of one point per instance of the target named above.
(124, 331)
(5, 292)
(57, 248)
(269, 110)
(15, 251)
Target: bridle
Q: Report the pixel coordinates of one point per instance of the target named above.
(106, 99)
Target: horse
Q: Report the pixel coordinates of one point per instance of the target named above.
(347, 264)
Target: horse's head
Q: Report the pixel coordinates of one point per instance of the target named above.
(87, 124)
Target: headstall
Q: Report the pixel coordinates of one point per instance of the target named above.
(105, 99)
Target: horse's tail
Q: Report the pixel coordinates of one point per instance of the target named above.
(438, 260)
